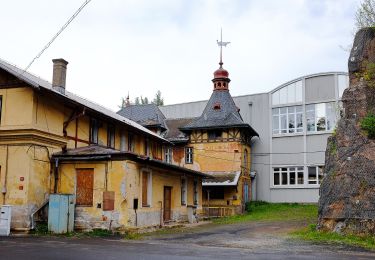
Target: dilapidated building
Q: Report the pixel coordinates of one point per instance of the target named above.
(53, 141)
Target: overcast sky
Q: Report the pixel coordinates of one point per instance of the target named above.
(140, 46)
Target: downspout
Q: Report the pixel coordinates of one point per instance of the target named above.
(56, 174)
(4, 189)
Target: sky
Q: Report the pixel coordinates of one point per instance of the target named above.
(116, 47)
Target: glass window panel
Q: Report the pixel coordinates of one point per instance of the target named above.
(299, 109)
(310, 121)
(292, 93)
(300, 168)
(292, 122)
(310, 107)
(299, 91)
(320, 110)
(292, 178)
(275, 124)
(331, 116)
(320, 174)
(283, 95)
(283, 123)
(343, 83)
(299, 122)
(276, 178)
(283, 110)
(300, 177)
(284, 178)
(291, 110)
(276, 98)
(312, 175)
(321, 124)
(275, 111)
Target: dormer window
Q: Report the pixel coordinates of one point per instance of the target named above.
(217, 106)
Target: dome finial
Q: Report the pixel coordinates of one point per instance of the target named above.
(221, 44)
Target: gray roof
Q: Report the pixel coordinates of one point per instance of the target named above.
(173, 133)
(148, 115)
(220, 112)
(39, 83)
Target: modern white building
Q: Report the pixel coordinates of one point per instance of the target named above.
(294, 121)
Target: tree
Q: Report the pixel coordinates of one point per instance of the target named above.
(136, 101)
(365, 15)
(158, 100)
(144, 100)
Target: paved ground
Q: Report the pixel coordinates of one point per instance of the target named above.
(255, 240)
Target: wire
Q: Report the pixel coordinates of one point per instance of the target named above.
(57, 34)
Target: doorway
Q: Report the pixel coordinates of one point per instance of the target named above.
(167, 203)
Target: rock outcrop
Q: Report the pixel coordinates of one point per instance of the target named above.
(347, 193)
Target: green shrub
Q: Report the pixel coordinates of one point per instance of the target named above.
(368, 124)
(250, 206)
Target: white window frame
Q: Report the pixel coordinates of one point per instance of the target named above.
(316, 118)
(189, 153)
(287, 131)
(305, 176)
(168, 155)
(317, 168)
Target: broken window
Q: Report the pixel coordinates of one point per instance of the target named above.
(130, 142)
(214, 134)
(183, 191)
(94, 131)
(168, 155)
(111, 136)
(146, 189)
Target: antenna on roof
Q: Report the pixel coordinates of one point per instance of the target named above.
(221, 44)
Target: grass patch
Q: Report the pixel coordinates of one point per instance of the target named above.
(41, 229)
(263, 211)
(311, 234)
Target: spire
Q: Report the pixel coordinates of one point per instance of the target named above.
(221, 76)
(221, 44)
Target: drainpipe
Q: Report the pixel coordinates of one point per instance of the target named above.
(56, 173)
(4, 189)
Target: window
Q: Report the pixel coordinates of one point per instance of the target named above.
(111, 136)
(288, 94)
(288, 176)
(315, 174)
(146, 148)
(287, 120)
(1, 106)
(146, 189)
(130, 142)
(195, 195)
(94, 131)
(189, 155)
(343, 83)
(168, 155)
(214, 134)
(123, 141)
(85, 187)
(183, 191)
(245, 158)
(320, 117)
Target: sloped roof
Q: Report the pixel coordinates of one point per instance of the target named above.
(222, 178)
(220, 112)
(145, 115)
(39, 83)
(173, 132)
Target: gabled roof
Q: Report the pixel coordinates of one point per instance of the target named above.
(220, 112)
(148, 115)
(173, 133)
(39, 83)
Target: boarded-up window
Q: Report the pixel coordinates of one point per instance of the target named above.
(145, 182)
(85, 187)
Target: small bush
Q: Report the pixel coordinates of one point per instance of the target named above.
(368, 124)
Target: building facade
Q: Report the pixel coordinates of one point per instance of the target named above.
(294, 121)
(52, 141)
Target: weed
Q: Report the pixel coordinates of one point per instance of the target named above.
(368, 124)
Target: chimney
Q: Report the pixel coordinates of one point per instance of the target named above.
(59, 75)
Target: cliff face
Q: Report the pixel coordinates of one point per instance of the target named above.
(347, 193)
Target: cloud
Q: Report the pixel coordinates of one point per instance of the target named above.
(143, 46)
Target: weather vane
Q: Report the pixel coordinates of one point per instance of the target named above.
(221, 44)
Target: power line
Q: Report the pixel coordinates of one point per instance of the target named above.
(58, 33)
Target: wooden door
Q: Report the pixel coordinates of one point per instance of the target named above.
(167, 203)
(85, 187)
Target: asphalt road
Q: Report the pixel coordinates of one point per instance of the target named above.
(244, 241)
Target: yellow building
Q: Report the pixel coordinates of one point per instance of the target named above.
(217, 143)
(52, 141)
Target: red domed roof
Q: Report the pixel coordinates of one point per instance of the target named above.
(221, 73)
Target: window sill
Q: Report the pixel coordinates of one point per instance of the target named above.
(146, 206)
(319, 132)
(287, 135)
(311, 186)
